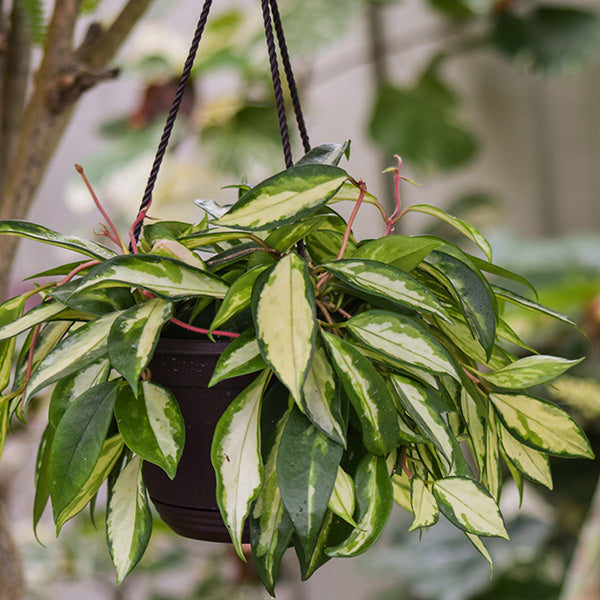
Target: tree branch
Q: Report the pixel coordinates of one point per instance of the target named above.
(14, 85)
(100, 46)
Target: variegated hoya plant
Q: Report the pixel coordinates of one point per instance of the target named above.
(385, 372)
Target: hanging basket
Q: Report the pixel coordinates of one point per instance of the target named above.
(187, 503)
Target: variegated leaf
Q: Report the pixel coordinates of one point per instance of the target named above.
(240, 357)
(417, 402)
(128, 519)
(133, 337)
(470, 289)
(374, 500)
(286, 197)
(307, 465)
(78, 442)
(238, 297)
(530, 371)
(80, 349)
(10, 311)
(165, 277)
(4, 417)
(111, 451)
(151, 425)
(39, 314)
(379, 279)
(403, 339)
(283, 238)
(401, 488)
(94, 301)
(324, 245)
(424, 506)
(461, 336)
(211, 237)
(321, 397)
(285, 319)
(325, 154)
(271, 528)
(236, 458)
(176, 250)
(476, 421)
(530, 462)
(343, 498)
(401, 251)
(480, 547)
(68, 389)
(468, 505)
(541, 425)
(369, 396)
(465, 228)
(492, 475)
(40, 233)
(531, 305)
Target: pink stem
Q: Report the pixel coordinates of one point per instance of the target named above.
(359, 201)
(34, 337)
(406, 470)
(205, 331)
(138, 220)
(76, 270)
(390, 221)
(111, 225)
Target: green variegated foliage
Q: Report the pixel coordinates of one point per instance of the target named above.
(381, 371)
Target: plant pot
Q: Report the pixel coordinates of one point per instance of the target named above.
(187, 504)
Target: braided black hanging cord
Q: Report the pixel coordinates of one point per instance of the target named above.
(170, 122)
(289, 75)
(279, 100)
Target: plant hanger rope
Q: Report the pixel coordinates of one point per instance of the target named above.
(272, 19)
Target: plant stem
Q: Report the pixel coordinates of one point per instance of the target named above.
(115, 237)
(390, 220)
(76, 270)
(359, 201)
(203, 331)
(141, 216)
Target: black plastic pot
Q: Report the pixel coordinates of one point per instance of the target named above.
(187, 504)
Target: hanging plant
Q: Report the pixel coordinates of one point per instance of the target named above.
(382, 371)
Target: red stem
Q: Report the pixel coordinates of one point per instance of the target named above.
(390, 220)
(205, 331)
(138, 220)
(359, 201)
(76, 270)
(111, 225)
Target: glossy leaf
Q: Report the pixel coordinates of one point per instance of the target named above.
(10, 311)
(42, 475)
(240, 357)
(40, 233)
(401, 488)
(532, 305)
(78, 442)
(283, 238)
(77, 351)
(532, 463)
(95, 301)
(236, 458)
(68, 389)
(111, 451)
(151, 425)
(465, 228)
(467, 505)
(128, 519)
(417, 401)
(321, 397)
(541, 425)
(386, 282)
(480, 547)
(343, 498)
(400, 251)
(492, 477)
(529, 371)
(134, 335)
(307, 466)
(402, 338)
(476, 421)
(285, 319)
(368, 394)
(325, 154)
(165, 277)
(38, 314)
(374, 500)
(238, 297)
(286, 197)
(424, 506)
(472, 291)
(271, 528)
(212, 237)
